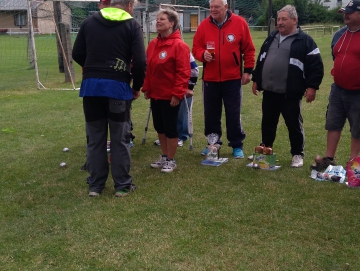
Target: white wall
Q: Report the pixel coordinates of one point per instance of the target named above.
(152, 16)
(333, 3)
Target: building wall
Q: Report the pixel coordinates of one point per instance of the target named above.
(152, 19)
(43, 21)
(45, 18)
(186, 22)
(184, 16)
(331, 4)
(7, 21)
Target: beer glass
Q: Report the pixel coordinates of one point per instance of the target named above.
(210, 46)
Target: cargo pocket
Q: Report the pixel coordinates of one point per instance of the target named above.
(119, 110)
(117, 106)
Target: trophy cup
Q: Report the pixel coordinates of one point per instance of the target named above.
(213, 148)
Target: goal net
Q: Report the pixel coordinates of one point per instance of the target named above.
(36, 38)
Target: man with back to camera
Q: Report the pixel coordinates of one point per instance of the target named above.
(106, 45)
(289, 66)
(104, 4)
(344, 99)
(222, 74)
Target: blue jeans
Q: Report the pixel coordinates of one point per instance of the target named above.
(182, 121)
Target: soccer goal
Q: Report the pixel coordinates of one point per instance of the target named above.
(36, 38)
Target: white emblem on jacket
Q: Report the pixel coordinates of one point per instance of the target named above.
(162, 55)
(230, 37)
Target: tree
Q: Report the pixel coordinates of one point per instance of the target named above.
(334, 16)
(249, 9)
(317, 12)
(302, 9)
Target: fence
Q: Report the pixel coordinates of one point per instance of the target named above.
(315, 30)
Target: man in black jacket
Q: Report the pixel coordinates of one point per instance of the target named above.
(288, 67)
(107, 44)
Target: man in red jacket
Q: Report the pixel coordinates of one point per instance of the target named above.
(222, 72)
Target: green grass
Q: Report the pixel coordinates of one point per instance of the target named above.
(197, 218)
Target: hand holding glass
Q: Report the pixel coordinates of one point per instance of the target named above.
(210, 47)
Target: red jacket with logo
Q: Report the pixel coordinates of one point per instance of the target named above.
(168, 67)
(233, 46)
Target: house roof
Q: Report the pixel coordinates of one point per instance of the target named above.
(18, 4)
(13, 5)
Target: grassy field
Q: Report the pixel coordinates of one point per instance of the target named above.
(197, 218)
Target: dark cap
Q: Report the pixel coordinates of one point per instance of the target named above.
(352, 6)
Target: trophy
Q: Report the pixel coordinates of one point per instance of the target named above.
(213, 153)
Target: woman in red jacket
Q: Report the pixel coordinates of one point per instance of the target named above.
(166, 82)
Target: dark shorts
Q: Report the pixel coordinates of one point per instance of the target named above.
(343, 104)
(165, 117)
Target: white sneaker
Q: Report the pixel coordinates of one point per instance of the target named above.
(159, 163)
(180, 143)
(157, 142)
(297, 161)
(251, 157)
(169, 166)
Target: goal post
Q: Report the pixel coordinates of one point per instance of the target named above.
(33, 40)
(30, 31)
(53, 19)
(64, 47)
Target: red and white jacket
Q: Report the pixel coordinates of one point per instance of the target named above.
(233, 46)
(168, 67)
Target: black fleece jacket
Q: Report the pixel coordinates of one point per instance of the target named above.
(111, 49)
(305, 69)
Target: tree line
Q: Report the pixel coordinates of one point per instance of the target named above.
(254, 11)
(309, 11)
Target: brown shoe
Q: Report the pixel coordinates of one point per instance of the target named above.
(323, 164)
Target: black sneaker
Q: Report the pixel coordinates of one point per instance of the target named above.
(84, 167)
(125, 192)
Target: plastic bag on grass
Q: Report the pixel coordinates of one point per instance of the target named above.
(332, 173)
